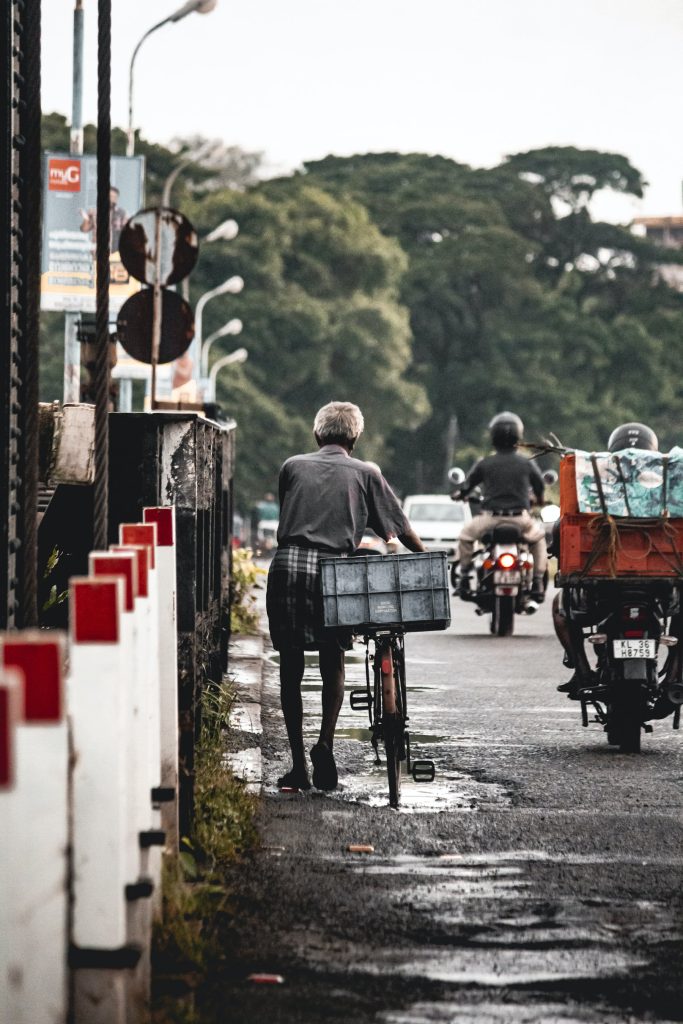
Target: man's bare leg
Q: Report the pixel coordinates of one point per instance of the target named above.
(332, 672)
(331, 659)
(291, 674)
(571, 638)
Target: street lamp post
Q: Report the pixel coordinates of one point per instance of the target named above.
(224, 232)
(233, 326)
(233, 286)
(240, 355)
(201, 7)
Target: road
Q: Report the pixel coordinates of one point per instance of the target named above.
(537, 880)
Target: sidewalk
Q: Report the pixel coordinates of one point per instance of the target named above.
(245, 670)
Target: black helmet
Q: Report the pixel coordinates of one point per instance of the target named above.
(506, 430)
(632, 435)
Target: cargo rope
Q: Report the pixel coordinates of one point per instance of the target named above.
(608, 534)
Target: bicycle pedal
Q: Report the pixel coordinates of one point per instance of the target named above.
(360, 700)
(423, 771)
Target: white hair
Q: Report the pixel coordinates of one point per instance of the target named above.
(338, 423)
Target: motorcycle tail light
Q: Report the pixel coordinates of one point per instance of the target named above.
(634, 613)
(634, 634)
(507, 560)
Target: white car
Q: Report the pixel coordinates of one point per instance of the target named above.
(437, 520)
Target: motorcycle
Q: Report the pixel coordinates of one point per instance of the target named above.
(629, 638)
(503, 570)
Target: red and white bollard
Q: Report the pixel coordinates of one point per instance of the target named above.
(11, 713)
(164, 517)
(124, 564)
(98, 698)
(35, 835)
(145, 535)
(102, 954)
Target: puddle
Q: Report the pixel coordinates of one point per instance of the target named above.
(363, 736)
(504, 968)
(450, 791)
(499, 1013)
(507, 945)
(362, 781)
(405, 864)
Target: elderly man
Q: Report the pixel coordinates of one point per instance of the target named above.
(327, 499)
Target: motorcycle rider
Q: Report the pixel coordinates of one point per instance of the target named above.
(506, 479)
(573, 608)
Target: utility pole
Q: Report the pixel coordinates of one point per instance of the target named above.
(72, 348)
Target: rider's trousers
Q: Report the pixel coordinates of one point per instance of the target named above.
(532, 532)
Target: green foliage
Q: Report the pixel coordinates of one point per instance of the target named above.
(55, 596)
(196, 894)
(428, 292)
(518, 299)
(244, 579)
(572, 176)
(323, 320)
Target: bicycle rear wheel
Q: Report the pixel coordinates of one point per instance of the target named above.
(394, 748)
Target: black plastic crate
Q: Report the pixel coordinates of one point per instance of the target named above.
(409, 591)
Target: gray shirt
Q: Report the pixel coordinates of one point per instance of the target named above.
(328, 499)
(506, 479)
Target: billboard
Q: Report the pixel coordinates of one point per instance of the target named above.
(69, 229)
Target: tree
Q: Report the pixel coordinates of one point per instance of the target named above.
(518, 298)
(571, 176)
(321, 312)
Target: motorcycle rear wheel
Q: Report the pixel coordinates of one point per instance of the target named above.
(624, 730)
(503, 617)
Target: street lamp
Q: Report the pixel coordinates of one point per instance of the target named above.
(233, 285)
(232, 327)
(240, 355)
(201, 7)
(224, 232)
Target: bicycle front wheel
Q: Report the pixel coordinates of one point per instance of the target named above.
(390, 668)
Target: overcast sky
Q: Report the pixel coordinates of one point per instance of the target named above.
(470, 79)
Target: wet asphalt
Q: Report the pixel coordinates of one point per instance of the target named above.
(536, 880)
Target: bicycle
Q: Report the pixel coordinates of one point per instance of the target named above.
(385, 700)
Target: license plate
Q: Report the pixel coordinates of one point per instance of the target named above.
(635, 648)
(503, 578)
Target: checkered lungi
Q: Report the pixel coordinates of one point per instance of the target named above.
(294, 601)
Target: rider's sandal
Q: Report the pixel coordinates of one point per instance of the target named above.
(578, 685)
(293, 780)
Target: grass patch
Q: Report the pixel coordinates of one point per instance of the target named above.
(244, 580)
(196, 895)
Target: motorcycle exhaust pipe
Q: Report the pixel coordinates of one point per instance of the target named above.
(675, 693)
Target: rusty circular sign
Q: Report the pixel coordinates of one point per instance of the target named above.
(134, 326)
(158, 246)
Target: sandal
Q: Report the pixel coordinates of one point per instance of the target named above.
(324, 768)
(293, 780)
